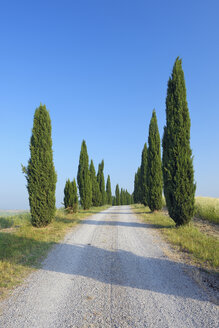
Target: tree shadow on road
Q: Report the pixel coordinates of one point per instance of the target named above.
(131, 224)
(124, 268)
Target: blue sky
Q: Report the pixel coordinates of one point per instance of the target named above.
(101, 66)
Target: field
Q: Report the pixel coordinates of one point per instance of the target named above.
(23, 247)
(207, 208)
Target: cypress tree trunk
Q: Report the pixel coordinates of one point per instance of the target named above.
(40, 172)
(108, 191)
(83, 178)
(96, 195)
(178, 173)
(154, 170)
(144, 165)
(117, 193)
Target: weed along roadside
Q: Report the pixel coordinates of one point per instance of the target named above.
(200, 248)
(23, 247)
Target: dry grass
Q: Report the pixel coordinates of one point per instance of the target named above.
(23, 247)
(207, 208)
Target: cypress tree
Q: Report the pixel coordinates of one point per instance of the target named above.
(83, 178)
(178, 172)
(137, 186)
(117, 193)
(154, 171)
(40, 172)
(113, 200)
(144, 164)
(71, 196)
(101, 181)
(96, 195)
(108, 191)
(67, 194)
(122, 197)
(74, 203)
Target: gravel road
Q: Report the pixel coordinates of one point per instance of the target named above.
(109, 272)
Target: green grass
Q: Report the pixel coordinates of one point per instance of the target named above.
(207, 208)
(23, 247)
(203, 249)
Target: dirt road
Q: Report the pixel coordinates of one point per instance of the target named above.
(109, 272)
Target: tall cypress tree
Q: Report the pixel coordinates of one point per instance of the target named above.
(74, 203)
(117, 194)
(71, 196)
(83, 178)
(96, 195)
(40, 172)
(154, 170)
(67, 194)
(144, 165)
(101, 181)
(108, 191)
(137, 187)
(178, 172)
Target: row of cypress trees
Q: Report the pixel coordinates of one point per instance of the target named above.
(148, 179)
(122, 197)
(91, 186)
(175, 174)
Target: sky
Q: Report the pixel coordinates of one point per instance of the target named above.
(101, 67)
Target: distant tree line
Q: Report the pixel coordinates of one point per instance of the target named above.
(175, 173)
(122, 197)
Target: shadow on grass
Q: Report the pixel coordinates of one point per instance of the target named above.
(6, 223)
(22, 250)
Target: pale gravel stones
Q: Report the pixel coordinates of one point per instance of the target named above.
(109, 272)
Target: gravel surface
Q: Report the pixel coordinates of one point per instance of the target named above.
(109, 272)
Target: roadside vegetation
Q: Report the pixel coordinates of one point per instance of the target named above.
(207, 208)
(202, 248)
(23, 246)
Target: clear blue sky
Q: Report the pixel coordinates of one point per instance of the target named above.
(101, 66)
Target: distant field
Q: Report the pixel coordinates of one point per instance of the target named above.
(4, 213)
(207, 208)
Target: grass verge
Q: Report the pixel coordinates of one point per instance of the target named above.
(203, 249)
(23, 247)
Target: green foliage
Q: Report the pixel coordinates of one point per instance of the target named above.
(178, 173)
(117, 193)
(144, 165)
(40, 172)
(101, 181)
(154, 169)
(96, 195)
(67, 194)
(108, 191)
(83, 178)
(113, 200)
(125, 197)
(74, 196)
(137, 187)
